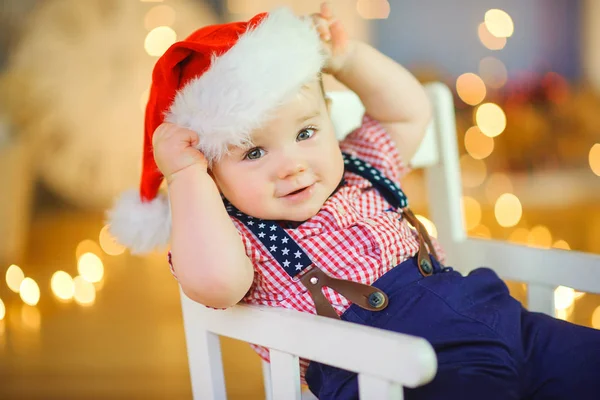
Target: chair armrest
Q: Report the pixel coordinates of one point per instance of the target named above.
(549, 267)
(407, 360)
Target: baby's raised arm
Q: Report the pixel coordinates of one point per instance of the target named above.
(389, 92)
(208, 255)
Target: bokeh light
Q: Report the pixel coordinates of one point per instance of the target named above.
(478, 145)
(519, 236)
(561, 244)
(596, 318)
(540, 236)
(470, 88)
(472, 210)
(490, 119)
(473, 172)
(87, 246)
(62, 285)
(488, 40)
(90, 267)
(159, 40)
(508, 210)
(85, 292)
(29, 292)
(2, 310)
(108, 243)
(594, 158)
(481, 231)
(499, 23)
(493, 72)
(14, 277)
(563, 297)
(373, 9)
(31, 317)
(429, 225)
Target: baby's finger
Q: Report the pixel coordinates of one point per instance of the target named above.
(326, 10)
(322, 26)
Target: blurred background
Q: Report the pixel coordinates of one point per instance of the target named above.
(82, 318)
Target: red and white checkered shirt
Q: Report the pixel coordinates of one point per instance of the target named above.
(355, 236)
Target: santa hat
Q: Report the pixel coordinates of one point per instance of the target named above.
(222, 82)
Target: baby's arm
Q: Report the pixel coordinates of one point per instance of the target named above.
(390, 93)
(208, 255)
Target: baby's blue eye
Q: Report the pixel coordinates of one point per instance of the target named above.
(306, 134)
(255, 154)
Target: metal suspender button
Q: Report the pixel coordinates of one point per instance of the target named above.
(426, 266)
(376, 300)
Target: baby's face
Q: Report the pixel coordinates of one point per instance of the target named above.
(295, 163)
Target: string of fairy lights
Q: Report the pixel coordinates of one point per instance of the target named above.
(490, 122)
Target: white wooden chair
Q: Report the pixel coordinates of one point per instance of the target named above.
(387, 361)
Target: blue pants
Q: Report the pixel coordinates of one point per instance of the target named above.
(488, 346)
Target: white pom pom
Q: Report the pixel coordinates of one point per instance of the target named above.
(141, 226)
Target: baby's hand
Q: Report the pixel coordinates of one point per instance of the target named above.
(334, 37)
(174, 149)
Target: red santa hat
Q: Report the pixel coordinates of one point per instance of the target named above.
(222, 82)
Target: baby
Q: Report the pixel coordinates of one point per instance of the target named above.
(265, 206)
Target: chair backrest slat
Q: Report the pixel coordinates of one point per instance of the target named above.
(285, 375)
(370, 387)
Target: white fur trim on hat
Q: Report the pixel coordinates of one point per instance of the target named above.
(141, 226)
(235, 95)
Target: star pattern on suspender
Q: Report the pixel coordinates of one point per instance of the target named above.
(281, 246)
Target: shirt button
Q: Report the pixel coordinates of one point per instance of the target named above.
(394, 260)
(341, 209)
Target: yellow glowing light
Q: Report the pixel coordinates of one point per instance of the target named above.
(14, 277)
(480, 231)
(595, 158)
(563, 297)
(490, 119)
(159, 40)
(493, 72)
(472, 211)
(519, 235)
(429, 226)
(162, 15)
(564, 314)
(561, 244)
(497, 183)
(31, 317)
(62, 285)
(470, 88)
(473, 172)
(87, 246)
(373, 9)
(540, 236)
(29, 292)
(596, 318)
(2, 310)
(85, 292)
(478, 145)
(90, 267)
(499, 23)
(508, 210)
(108, 243)
(488, 40)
